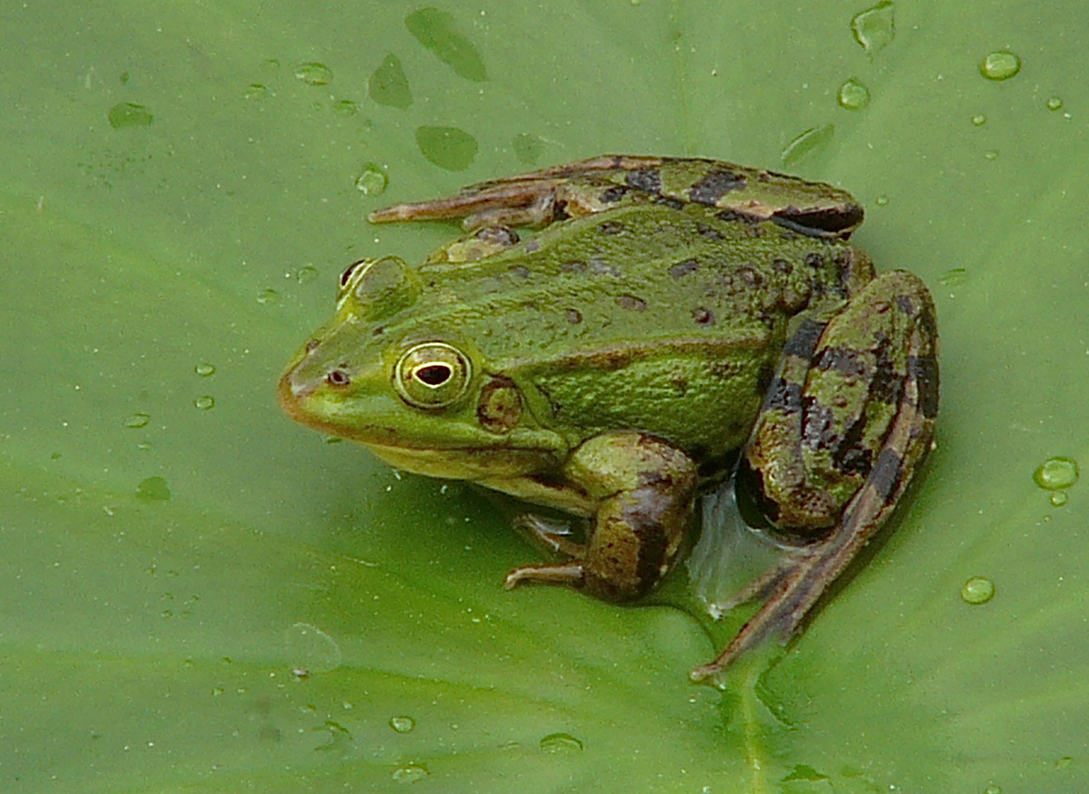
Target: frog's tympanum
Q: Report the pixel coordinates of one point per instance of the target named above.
(673, 319)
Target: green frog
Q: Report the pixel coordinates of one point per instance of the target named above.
(673, 322)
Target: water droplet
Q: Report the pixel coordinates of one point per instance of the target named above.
(272, 64)
(1058, 498)
(371, 181)
(812, 140)
(991, 154)
(310, 648)
(402, 724)
(205, 370)
(527, 148)
(875, 27)
(412, 773)
(853, 95)
(447, 147)
(953, 278)
(1055, 103)
(882, 201)
(977, 590)
(204, 402)
(434, 29)
(345, 107)
(268, 297)
(1064, 762)
(1000, 65)
(388, 85)
(314, 73)
(306, 274)
(1056, 474)
(153, 489)
(979, 119)
(137, 420)
(255, 91)
(125, 115)
(560, 743)
(992, 790)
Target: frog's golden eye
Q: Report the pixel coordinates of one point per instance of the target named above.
(432, 375)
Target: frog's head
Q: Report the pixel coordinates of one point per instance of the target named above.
(411, 388)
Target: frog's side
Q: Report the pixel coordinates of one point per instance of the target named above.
(670, 313)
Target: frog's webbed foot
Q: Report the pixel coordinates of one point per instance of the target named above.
(886, 339)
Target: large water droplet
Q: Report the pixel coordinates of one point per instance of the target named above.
(268, 297)
(1000, 65)
(306, 274)
(1056, 474)
(410, 773)
(812, 140)
(434, 29)
(204, 370)
(875, 28)
(371, 180)
(402, 724)
(1055, 103)
(447, 147)
(204, 402)
(310, 648)
(388, 85)
(126, 115)
(314, 73)
(137, 420)
(979, 119)
(153, 489)
(560, 743)
(977, 590)
(853, 95)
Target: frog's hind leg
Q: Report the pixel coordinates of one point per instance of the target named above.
(534, 199)
(897, 298)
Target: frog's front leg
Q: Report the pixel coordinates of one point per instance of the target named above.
(843, 428)
(643, 489)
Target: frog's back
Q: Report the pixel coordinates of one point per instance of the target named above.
(648, 317)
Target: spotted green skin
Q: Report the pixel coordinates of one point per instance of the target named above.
(670, 314)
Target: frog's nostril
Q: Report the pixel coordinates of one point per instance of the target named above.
(338, 378)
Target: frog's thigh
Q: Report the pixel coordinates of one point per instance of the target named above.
(826, 419)
(644, 489)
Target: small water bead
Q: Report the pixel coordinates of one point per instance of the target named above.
(204, 402)
(1055, 103)
(1058, 498)
(1056, 474)
(371, 181)
(560, 743)
(314, 73)
(402, 724)
(1000, 65)
(853, 95)
(255, 91)
(882, 201)
(345, 107)
(992, 790)
(205, 370)
(979, 119)
(268, 297)
(991, 154)
(977, 590)
(875, 28)
(306, 274)
(137, 420)
(412, 773)
(127, 115)
(953, 278)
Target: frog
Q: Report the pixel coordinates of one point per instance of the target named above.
(611, 338)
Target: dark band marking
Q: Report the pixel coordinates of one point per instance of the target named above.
(887, 385)
(885, 476)
(805, 339)
(846, 362)
(818, 426)
(924, 369)
(849, 456)
(903, 303)
(648, 180)
(613, 194)
(784, 396)
(714, 186)
(669, 201)
(820, 222)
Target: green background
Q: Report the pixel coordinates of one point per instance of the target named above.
(159, 583)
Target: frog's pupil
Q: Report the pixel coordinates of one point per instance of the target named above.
(434, 374)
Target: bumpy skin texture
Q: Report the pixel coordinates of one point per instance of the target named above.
(670, 313)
